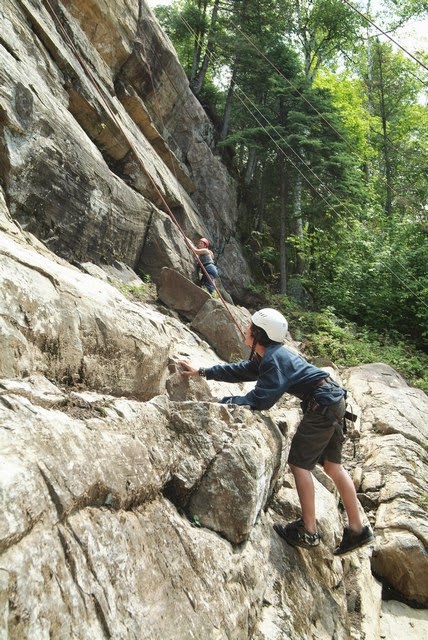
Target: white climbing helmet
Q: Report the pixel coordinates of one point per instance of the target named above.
(273, 322)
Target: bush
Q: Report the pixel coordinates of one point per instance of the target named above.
(328, 336)
(138, 292)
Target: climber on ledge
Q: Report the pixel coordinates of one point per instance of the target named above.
(319, 435)
(206, 256)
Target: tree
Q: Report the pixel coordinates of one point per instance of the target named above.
(331, 167)
(199, 69)
(323, 29)
(393, 92)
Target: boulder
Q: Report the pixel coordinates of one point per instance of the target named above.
(234, 489)
(394, 433)
(223, 326)
(180, 293)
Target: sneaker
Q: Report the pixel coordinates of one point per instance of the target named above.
(352, 540)
(295, 534)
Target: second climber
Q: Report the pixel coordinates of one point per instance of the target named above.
(206, 257)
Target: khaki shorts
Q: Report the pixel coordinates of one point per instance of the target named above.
(318, 438)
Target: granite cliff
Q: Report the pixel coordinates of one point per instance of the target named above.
(133, 505)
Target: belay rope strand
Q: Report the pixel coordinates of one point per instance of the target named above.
(118, 124)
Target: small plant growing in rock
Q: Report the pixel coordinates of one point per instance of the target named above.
(138, 292)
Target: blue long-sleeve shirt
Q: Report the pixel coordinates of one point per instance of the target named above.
(279, 371)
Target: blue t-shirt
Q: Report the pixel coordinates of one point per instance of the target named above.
(279, 371)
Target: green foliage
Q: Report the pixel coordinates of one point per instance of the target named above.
(406, 9)
(326, 335)
(262, 254)
(331, 165)
(138, 292)
(347, 95)
(182, 21)
(379, 281)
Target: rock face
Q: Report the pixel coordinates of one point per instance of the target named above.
(222, 325)
(394, 476)
(104, 149)
(134, 508)
(133, 505)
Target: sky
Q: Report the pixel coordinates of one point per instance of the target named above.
(413, 37)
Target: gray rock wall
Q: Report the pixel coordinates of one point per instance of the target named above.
(104, 149)
(133, 505)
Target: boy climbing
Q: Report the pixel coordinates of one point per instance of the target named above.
(318, 438)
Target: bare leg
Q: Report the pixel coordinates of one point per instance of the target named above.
(345, 487)
(306, 492)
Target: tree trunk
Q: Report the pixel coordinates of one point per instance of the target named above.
(229, 102)
(282, 231)
(367, 167)
(298, 223)
(251, 164)
(385, 142)
(197, 47)
(199, 80)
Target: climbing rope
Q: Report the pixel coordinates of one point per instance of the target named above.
(132, 146)
(165, 204)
